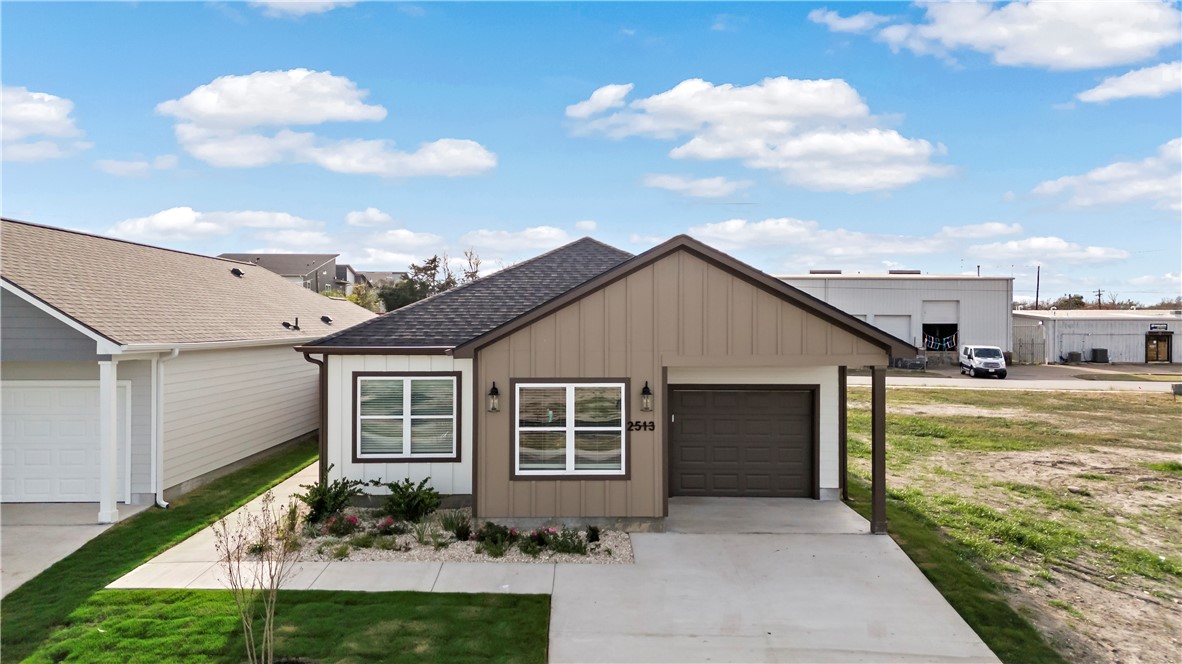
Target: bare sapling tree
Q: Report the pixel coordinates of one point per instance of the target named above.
(258, 554)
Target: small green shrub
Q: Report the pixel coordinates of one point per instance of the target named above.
(259, 547)
(494, 540)
(340, 552)
(410, 501)
(529, 547)
(423, 532)
(363, 541)
(567, 540)
(440, 540)
(457, 523)
(325, 499)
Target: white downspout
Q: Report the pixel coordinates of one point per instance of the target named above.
(158, 425)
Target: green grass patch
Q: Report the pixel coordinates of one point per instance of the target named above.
(1095, 477)
(323, 626)
(29, 614)
(946, 563)
(1172, 467)
(1126, 377)
(1059, 604)
(1049, 499)
(911, 435)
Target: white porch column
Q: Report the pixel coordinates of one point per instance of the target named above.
(108, 443)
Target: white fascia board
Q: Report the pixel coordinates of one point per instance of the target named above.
(103, 345)
(213, 345)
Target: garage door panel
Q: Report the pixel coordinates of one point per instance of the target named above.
(760, 443)
(51, 441)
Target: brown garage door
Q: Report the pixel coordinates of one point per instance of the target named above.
(738, 442)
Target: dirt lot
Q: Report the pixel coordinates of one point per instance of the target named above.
(1073, 501)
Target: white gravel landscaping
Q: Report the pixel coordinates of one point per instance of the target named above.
(613, 548)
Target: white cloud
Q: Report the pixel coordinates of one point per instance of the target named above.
(407, 239)
(136, 168)
(862, 22)
(221, 124)
(296, 241)
(1049, 34)
(370, 258)
(1169, 283)
(512, 242)
(809, 243)
(606, 97)
(370, 216)
(37, 125)
(818, 134)
(978, 231)
(1157, 81)
(716, 187)
(185, 223)
(588, 225)
(1156, 179)
(726, 22)
(1039, 249)
(280, 8)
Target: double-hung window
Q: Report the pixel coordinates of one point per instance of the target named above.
(406, 417)
(569, 428)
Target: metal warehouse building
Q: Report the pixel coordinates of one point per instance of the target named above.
(1126, 336)
(935, 313)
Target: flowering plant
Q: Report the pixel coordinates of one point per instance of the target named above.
(340, 526)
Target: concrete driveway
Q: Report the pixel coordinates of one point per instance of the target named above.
(751, 580)
(34, 536)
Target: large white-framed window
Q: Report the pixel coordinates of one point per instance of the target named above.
(574, 428)
(406, 417)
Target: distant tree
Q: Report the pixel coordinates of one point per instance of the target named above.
(365, 296)
(1070, 302)
(1170, 303)
(433, 275)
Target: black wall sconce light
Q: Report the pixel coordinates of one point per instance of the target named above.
(494, 399)
(646, 398)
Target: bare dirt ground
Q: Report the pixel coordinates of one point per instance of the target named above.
(1088, 611)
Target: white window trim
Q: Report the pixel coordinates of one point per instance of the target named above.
(570, 430)
(407, 419)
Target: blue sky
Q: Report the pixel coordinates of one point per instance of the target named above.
(861, 137)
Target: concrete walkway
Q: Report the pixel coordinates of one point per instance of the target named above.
(734, 580)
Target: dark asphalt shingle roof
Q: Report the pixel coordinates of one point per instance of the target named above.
(468, 311)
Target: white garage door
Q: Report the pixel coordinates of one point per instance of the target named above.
(899, 326)
(50, 447)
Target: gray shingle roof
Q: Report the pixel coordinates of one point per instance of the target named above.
(288, 265)
(137, 294)
(453, 317)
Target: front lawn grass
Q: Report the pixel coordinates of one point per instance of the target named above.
(29, 614)
(322, 626)
(974, 596)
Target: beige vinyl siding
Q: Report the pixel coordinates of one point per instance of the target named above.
(32, 335)
(447, 477)
(224, 405)
(677, 312)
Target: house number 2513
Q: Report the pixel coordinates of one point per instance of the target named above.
(637, 425)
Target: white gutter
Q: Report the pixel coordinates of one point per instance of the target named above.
(158, 425)
(212, 345)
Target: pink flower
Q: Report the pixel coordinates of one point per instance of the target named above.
(351, 519)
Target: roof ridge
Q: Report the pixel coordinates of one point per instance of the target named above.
(120, 240)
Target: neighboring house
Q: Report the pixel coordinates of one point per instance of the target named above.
(1105, 335)
(316, 272)
(346, 279)
(379, 279)
(590, 383)
(148, 371)
(936, 313)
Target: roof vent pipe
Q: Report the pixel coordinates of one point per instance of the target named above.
(236, 272)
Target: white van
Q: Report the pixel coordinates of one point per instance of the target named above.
(982, 361)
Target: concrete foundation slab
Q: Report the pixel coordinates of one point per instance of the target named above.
(761, 515)
(516, 578)
(377, 577)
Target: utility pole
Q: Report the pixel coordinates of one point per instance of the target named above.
(1037, 283)
(1099, 305)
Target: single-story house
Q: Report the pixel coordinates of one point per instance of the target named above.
(1097, 335)
(133, 373)
(316, 272)
(591, 383)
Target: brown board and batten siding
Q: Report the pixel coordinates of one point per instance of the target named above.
(683, 309)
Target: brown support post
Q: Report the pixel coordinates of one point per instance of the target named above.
(843, 454)
(878, 518)
(321, 433)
